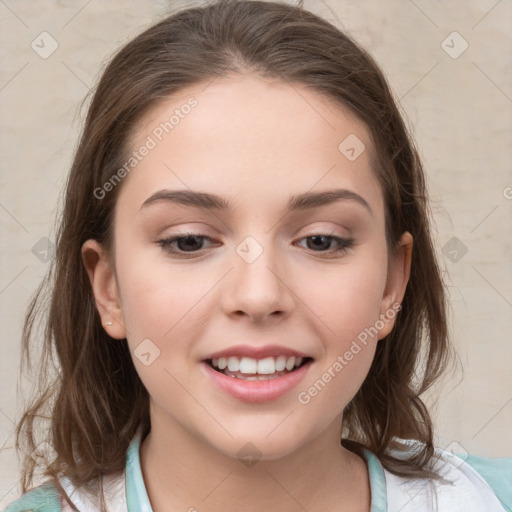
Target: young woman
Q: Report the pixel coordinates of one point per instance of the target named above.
(245, 302)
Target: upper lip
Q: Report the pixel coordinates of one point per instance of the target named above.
(256, 352)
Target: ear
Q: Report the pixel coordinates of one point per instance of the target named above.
(399, 270)
(104, 285)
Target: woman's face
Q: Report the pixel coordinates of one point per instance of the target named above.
(259, 282)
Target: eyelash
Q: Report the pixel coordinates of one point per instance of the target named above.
(344, 244)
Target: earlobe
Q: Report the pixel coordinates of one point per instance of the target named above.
(399, 271)
(104, 286)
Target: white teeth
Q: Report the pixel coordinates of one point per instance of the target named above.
(266, 366)
(290, 363)
(253, 377)
(280, 363)
(247, 365)
(233, 364)
(250, 366)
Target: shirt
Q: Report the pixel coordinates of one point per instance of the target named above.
(471, 484)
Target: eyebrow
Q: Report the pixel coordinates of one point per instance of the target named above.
(296, 202)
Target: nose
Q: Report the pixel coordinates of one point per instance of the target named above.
(258, 286)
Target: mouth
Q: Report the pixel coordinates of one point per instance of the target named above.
(248, 368)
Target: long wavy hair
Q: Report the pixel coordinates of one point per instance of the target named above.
(93, 402)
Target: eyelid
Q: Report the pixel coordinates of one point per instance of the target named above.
(343, 244)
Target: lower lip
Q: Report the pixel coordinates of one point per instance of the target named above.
(256, 390)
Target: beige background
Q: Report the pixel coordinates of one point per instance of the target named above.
(459, 109)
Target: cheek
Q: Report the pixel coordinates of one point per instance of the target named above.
(158, 309)
(346, 299)
(156, 295)
(349, 313)
(348, 303)
(164, 311)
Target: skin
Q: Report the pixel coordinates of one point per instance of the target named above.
(256, 142)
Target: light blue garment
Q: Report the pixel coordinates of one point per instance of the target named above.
(497, 472)
(478, 485)
(44, 498)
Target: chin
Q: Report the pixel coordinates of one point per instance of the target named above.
(257, 446)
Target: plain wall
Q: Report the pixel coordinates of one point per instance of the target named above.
(458, 107)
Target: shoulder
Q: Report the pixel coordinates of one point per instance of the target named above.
(497, 473)
(467, 483)
(51, 497)
(43, 498)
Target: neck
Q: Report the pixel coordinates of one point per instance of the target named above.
(182, 472)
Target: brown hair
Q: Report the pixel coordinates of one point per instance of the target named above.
(96, 400)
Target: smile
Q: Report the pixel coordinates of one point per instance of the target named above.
(247, 384)
(248, 368)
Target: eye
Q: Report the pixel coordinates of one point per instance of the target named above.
(191, 243)
(187, 243)
(321, 240)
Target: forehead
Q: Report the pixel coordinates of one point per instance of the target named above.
(250, 138)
